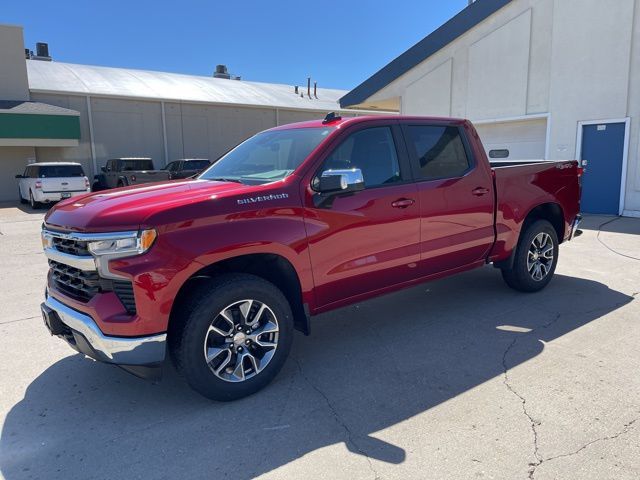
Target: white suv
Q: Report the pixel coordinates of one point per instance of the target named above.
(50, 182)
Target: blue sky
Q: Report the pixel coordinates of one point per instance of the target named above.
(339, 44)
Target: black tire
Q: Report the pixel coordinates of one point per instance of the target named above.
(34, 205)
(519, 276)
(190, 326)
(120, 184)
(22, 200)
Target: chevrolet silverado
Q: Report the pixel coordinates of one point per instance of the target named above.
(297, 220)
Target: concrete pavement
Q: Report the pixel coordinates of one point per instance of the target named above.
(459, 378)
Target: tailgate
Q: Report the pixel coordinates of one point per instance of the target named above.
(62, 184)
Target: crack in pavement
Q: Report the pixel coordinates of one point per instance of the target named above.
(625, 428)
(339, 420)
(6, 322)
(532, 423)
(539, 460)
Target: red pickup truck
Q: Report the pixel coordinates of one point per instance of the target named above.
(296, 220)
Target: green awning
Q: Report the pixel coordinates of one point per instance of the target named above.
(35, 120)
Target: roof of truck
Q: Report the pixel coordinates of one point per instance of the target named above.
(341, 121)
(53, 164)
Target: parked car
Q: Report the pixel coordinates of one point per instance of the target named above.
(123, 172)
(187, 167)
(48, 182)
(295, 221)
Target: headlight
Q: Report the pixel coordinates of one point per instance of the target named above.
(47, 240)
(130, 244)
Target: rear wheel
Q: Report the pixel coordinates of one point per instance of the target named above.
(535, 259)
(232, 336)
(34, 205)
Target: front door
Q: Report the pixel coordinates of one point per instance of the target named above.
(603, 148)
(366, 240)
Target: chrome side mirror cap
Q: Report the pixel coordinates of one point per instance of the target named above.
(341, 181)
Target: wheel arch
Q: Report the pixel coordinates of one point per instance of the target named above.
(272, 267)
(550, 211)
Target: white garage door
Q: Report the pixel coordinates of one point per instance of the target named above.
(523, 140)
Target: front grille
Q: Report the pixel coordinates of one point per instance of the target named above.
(71, 246)
(75, 282)
(82, 285)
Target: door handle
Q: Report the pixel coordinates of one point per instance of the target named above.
(403, 203)
(478, 192)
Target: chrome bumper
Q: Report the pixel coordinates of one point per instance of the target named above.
(149, 350)
(574, 227)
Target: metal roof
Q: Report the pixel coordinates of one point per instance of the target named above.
(68, 78)
(35, 108)
(464, 21)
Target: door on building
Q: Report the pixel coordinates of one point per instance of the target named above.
(603, 149)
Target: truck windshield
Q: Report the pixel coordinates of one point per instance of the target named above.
(268, 156)
(59, 171)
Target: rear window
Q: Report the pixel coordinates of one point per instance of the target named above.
(132, 165)
(440, 151)
(196, 164)
(57, 171)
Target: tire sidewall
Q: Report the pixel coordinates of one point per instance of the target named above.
(520, 264)
(192, 361)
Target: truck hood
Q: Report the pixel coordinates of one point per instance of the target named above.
(128, 208)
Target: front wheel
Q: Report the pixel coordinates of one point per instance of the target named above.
(231, 336)
(535, 259)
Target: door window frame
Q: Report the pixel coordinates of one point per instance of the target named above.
(625, 151)
(406, 172)
(415, 161)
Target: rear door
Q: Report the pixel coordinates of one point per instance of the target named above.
(63, 179)
(456, 196)
(366, 240)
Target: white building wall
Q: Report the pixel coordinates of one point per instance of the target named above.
(576, 60)
(13, 68)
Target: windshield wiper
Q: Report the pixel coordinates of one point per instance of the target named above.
(224, 179)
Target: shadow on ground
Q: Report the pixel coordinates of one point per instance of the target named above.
(365, 368)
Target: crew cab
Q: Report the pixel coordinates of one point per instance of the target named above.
(297, 220)
(123, 172)
(48, 182)
(187, 167)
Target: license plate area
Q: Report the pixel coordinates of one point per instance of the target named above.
(65, 195)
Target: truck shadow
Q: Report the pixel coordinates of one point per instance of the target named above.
(365, 368)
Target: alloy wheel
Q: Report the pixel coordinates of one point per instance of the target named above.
(540, 256)
(241, 340)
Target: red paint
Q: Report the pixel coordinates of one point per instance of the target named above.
(367, 243)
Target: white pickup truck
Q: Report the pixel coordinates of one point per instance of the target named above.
(48, 182)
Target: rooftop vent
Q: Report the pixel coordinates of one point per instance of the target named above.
(42, 52)
(221, 72)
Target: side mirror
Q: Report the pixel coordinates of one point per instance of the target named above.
(19, 176)
(341, 181)
(103, 169)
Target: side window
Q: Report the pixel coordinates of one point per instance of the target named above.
(371, 150)
(440, 151)
(27, 172)
(34, 172)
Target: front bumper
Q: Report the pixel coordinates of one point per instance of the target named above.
(83, 335)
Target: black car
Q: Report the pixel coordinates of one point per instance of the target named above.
(186, 167)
